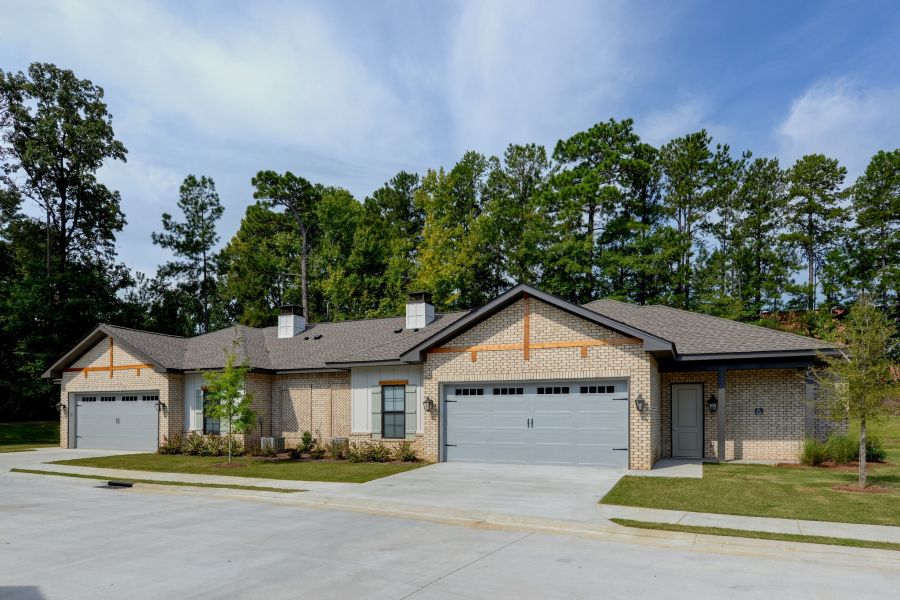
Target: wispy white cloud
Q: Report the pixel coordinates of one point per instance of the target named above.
(518, 70)
(659, 127)
(843, 119)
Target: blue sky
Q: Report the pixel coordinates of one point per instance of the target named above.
(349, 93)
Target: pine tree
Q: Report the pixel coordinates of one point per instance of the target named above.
(690, 168)
(193, 241)
(876, 234)
(816, 215)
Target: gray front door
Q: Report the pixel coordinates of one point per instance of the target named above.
(117, 420)
(687, 420)
(553, 423)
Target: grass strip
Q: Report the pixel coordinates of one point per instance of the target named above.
(24, 447)
(762, 535)
(253, 488)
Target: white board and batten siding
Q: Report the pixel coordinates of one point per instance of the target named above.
(363, 379)
(193, 401)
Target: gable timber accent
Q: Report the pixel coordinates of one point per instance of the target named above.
(417, 353)
(583, 344)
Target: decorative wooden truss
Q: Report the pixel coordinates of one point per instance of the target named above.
(527, 345)
(111, 367)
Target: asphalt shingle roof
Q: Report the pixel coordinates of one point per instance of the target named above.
(369, 340)
(332, 345)
(695, 333)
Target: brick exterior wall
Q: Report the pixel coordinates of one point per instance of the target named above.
(170, 386)
(549, 324)
(775, 435)
(314, 402)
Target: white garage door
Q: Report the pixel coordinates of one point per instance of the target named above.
(117, 420)
(572, 423)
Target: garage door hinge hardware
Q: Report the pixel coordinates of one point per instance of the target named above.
(451, 400)
(620, 448)
(450, 445)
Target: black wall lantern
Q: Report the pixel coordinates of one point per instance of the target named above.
(428, 404)
(639, 403)
(713, 403)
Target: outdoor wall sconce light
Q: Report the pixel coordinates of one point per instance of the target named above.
(639, 403)
(62, 407)
(713, 403)
(428, 404)
(160, 406)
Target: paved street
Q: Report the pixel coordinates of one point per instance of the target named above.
(67, 538)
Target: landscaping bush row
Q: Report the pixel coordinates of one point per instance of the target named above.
(202, 445)
(365, 452)
(841, 450)
(216, 445)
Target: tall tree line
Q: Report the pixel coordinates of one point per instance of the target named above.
(691, 224)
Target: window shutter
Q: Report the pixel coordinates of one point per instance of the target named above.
(376, 413)
(410, 405)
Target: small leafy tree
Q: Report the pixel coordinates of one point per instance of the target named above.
(858, 383)
(226, 399)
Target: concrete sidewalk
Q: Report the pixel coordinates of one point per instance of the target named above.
(855, 531)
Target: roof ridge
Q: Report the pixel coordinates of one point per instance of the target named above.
(411, 334)
(171, 335)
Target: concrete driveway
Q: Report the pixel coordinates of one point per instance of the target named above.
(67, 538)
(561, 493)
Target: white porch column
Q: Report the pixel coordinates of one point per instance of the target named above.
(720, 416)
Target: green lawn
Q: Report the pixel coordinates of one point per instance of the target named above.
(19, 437)
(338, 471)
(766, 491)
(762, 535)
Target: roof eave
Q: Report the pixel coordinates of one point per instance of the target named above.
(369, 363)
(810, 353)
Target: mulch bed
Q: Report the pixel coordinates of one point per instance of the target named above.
(871, 489)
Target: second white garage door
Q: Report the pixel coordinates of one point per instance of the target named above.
(572, 423)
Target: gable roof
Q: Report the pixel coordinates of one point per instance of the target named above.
(669, 333)
(322, 346)
(652, 343)
(699, 336)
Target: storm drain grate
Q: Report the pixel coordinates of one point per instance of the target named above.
(115, 485)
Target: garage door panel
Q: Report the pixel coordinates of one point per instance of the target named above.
(116, 424)
(589, 429)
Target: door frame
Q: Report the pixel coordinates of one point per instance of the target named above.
(672, 418)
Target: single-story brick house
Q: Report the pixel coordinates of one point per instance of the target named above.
(526, 378)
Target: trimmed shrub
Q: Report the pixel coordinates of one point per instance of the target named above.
(378, 453)
(318, 452)
(213, 445)
(306, 442)
(193, 443)
(813, 453)
(406, 452)
(875, 452)
(339, 448)
(171, 445)
(841, 448)
(356, 453)
(237, 446)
